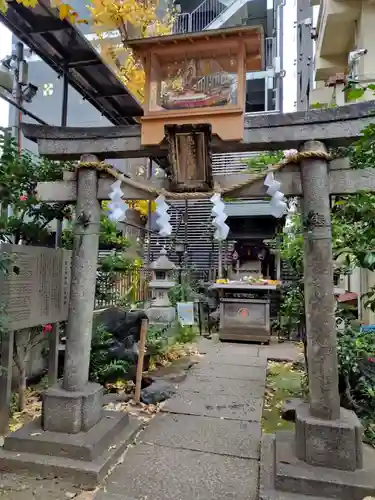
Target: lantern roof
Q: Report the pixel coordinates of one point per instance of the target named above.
(225, 40)
(162, 263)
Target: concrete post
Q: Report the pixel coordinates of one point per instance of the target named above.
(319, 297)
(82, 291)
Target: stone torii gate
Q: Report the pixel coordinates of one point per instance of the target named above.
(325, 455)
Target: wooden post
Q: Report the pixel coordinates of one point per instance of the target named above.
(318, 279)
(6, 368)
(141, 355)
(220, 260)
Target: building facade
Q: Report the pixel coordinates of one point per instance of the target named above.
(264, 94)
(264, 88)
(349, 55)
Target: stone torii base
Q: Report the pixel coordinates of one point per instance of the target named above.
(75, 438)
(325, 457)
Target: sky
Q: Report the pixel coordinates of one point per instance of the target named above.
(289, 42)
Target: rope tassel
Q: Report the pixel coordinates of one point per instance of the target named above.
(218, 212)
(117, 207)
(163, 217)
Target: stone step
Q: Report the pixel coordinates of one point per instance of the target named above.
(87, 446)
(87, 474)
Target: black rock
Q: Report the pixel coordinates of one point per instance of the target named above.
(158, 391)
(288, 410)
(125, 328)
(124, 325)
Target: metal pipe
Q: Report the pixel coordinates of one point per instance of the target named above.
(17, 92)
(24, 111)
(64, 121)
(53, 357)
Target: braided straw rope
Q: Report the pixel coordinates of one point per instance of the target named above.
(252, 177)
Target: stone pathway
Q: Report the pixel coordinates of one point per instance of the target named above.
(205, 443)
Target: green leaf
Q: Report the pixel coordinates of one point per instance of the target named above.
(355, 93)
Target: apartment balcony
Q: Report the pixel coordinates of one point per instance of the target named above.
(336, 30)
(322, 95)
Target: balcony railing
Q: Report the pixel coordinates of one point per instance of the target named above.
(201, 17)
(183, 25)
(270, 52)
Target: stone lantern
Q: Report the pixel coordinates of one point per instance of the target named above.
(161, 311)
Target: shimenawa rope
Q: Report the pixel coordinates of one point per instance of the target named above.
(293, 159)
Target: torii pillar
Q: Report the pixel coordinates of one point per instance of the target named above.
(324, 457)
(326, 435)
(75, 438)
(76, 404)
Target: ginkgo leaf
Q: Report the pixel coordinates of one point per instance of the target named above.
(136, 18)
(28, 3)
(64, 10)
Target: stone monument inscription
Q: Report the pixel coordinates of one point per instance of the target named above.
(35, 291)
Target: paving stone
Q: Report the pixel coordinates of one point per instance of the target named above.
(162, 473)
(206, 346)
(214, 405)
(28, 487)
(205, 369)
(286, 351)
(235, 359)
(225, 437)
(238, 349)
(238, 388)
(104, 495)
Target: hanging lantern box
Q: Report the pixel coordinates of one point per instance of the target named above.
(195, 89)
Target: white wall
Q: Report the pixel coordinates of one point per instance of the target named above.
(5, 50)
(290, 55)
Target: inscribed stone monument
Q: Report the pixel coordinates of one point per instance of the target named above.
(35, 291)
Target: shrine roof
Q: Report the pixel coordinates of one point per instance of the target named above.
(245, 32)
(62, 46)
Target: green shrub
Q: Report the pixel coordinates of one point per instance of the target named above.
(356, 355)
(101, 369)
(158, 340)
(185, 334)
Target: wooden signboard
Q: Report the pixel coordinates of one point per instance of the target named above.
(36, 289)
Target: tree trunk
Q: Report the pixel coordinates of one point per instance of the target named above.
(21, 346)
(22, 386)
